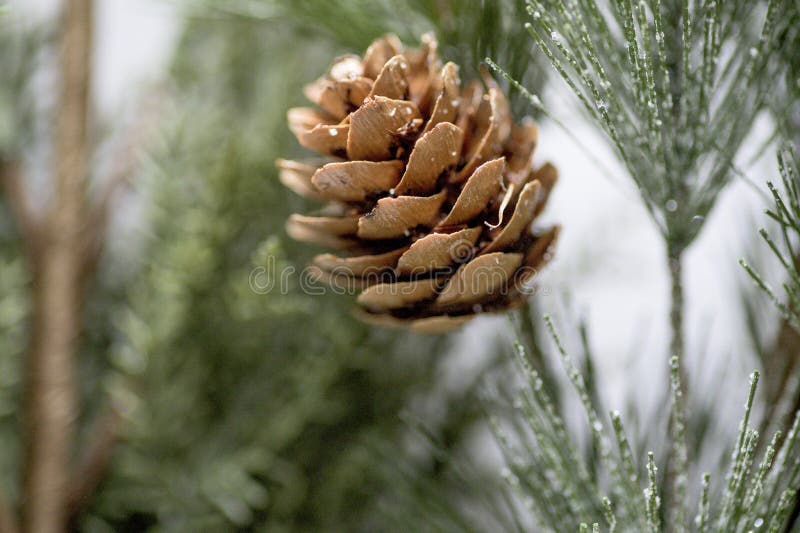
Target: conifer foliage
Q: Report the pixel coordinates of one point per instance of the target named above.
(165, 367)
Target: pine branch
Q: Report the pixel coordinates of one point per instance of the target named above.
(51, 395)
(787, 214)
(8, 518)
(93, 466)
(467, 30)
(679, 465)
(537, 443)
(663, 96)
(64, 250)
(664, 82)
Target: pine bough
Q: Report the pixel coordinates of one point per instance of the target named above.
(552, 479)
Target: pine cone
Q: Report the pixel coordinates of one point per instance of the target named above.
(429, 188)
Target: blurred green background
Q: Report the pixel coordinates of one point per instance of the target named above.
(239, 410)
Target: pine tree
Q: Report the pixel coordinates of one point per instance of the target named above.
(211, 392)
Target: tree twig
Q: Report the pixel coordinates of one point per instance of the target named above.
(97, 223)
(50, 392)
(94, 465)
(119, 178)
(8, 520)
(675, 494)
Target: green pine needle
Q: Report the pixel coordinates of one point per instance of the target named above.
(536, 441)
(668, 83)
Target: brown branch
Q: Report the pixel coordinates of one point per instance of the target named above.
(119, 179)
(50, 391)
(8, 520)
(100, 214)
(782, 397)
(93, 466)
(96, 228)
(780, 361)
(779, 368)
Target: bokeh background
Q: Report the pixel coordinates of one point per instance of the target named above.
(610, 257)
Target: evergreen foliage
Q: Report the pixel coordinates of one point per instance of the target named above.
(248, 409)
(787, 214)
(467, 30)
(239, 409)
(675, 86)
(561, 491)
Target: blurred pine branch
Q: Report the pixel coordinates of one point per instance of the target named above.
(467, 30)
(232, 414)
(272, 399)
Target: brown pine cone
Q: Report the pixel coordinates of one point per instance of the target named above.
(429, 188)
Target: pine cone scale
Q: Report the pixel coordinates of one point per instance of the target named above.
(521, 218)
(448, 102)
(356, 181)
(396, 217)
(361, 265)
(398, 295)
(392, 82)
(431, 191)
(373, 128)
(480, 189)
(478, 279)
(434, 153)
(437, 251)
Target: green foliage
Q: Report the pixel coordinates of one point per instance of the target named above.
(13, 310)
(274, 410)
(560, 490)
(785, 102)
(245, 409)
(787, 214)
(20, 55)
(467, 30)
(675, 86)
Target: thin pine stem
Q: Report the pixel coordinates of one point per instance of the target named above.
(680, 459)
(703, 510)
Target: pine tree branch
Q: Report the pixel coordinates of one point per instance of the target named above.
(780, 365)
(94, 465)
(676, 487)
(119, 179)
(99, 216)
(8, 519)
(51, 395)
